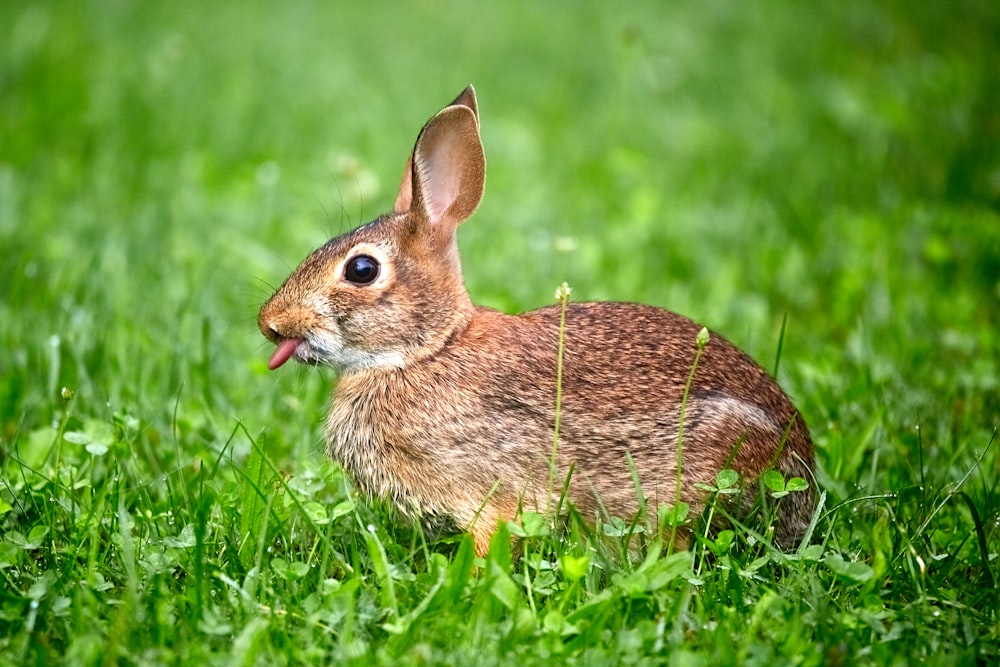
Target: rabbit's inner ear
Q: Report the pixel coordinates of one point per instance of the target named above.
(404, 198)
(448, 168)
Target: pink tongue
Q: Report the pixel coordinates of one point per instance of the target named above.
(286, 349)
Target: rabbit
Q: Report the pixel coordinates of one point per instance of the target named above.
(447, 409)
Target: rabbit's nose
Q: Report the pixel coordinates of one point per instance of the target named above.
(271, 332)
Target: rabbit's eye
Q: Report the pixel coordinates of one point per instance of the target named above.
(361, 270)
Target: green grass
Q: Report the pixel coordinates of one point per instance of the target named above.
(165, 500)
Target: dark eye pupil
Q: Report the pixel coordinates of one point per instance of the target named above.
(361, 270)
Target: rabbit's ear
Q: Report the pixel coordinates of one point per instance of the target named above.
(467, 98)
(405, 195)
(444, 178)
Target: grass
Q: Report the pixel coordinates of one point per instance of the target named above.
(165, 500)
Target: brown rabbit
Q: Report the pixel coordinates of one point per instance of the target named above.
(448, 408)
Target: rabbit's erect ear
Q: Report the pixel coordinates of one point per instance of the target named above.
(444, 178)
(405, 195)
(467, 98)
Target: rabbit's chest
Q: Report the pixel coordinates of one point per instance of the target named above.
(403, 445)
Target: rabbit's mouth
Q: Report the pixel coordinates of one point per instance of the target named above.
(286, 350)
(320, 352)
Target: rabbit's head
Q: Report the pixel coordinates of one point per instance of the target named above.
(392, 290)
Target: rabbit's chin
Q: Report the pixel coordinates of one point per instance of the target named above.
(320, 351)
(347, 360)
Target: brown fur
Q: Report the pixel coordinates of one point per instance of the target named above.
(448, 409)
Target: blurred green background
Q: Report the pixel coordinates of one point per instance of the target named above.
(837, 163)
